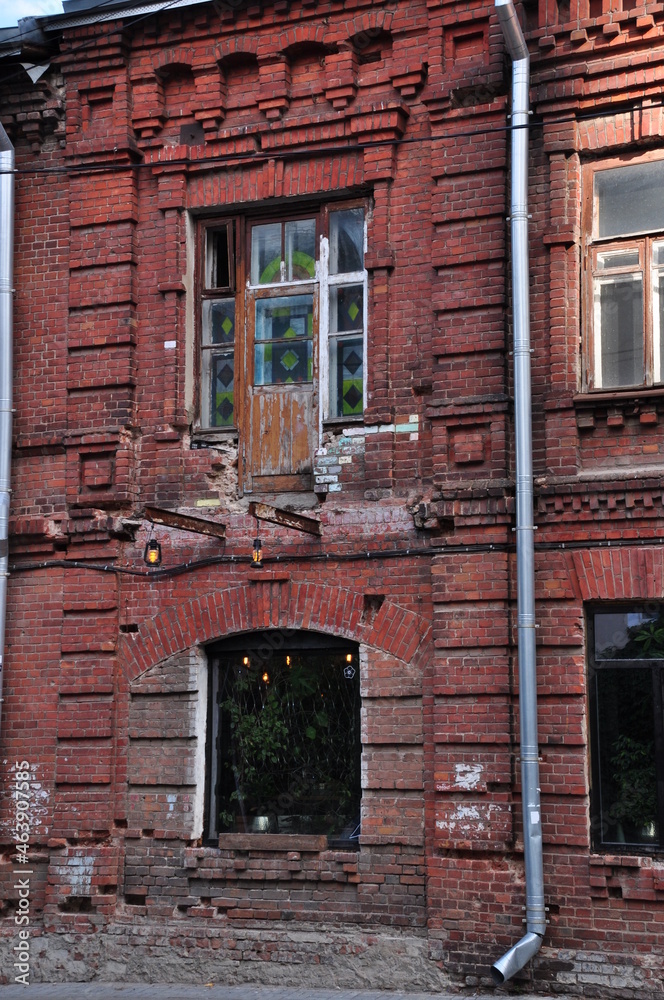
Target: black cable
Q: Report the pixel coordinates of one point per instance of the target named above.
(261, 156)
(369, 554)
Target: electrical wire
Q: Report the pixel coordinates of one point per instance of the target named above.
(262, 156)
(375, 555)
(233, 159)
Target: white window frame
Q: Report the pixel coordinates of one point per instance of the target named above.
(646, 242)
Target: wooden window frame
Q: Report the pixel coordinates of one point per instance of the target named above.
(595, 245)
(322, 284)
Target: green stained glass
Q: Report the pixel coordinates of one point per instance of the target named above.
(222, 407)
(289, 360)
(283, 349)
(346, 308)
(346, 376)
(219, 321)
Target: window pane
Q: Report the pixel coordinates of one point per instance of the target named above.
(625, 749)
(629, 199)
(347, 241)
(346, 376)
(218, 258)
(218, 321)
(289, 742)
(618, 258)
(658, 312)
(619, 323)
(266, 254)
(218, 383)
(629, 635)
(346, 308)
(301, 250)
(283, 351)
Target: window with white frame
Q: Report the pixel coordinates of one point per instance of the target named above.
(282, 320)
(624, 264)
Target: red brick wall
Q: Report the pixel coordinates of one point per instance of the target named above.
(105, 682)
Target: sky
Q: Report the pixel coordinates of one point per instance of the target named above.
(12, 10)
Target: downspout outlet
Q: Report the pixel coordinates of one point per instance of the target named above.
(515, 959)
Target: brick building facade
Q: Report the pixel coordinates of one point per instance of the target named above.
(262, 291)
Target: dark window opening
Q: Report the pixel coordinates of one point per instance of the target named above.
(284, 736)
(626, 659)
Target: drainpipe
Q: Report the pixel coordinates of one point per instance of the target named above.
(6, 310)
(535, 921)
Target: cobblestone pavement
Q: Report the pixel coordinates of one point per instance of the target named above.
(160, 991)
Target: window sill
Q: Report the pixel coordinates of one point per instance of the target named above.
(282, 842)
(210, 437)
(334, 423)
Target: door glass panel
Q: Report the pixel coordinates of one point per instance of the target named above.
(266, 254)
(347, 241)
(283, 349)
(619, 303)
(301, 250)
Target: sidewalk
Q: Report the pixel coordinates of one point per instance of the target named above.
(161, 991)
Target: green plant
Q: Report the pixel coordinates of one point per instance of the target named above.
(634, 774)
(650, 638)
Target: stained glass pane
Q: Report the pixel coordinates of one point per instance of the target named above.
(219, 376)
(346, 376)
(347, 241)
(266, 254)
(218, 321)
(281, 363)
(300, 250)
(283, 350)
(346, 308)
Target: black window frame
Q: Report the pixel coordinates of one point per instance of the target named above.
(606, 819)
(261, 647)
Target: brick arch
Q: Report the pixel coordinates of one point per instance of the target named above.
(369, 23)
(236, 46)
(268, 604)
(172, 58)
(303, 35)
(620, 573)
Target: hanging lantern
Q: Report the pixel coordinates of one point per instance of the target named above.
(152, 554)
(257, 554)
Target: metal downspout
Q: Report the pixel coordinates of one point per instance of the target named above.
(6, 314)
(529, 945)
